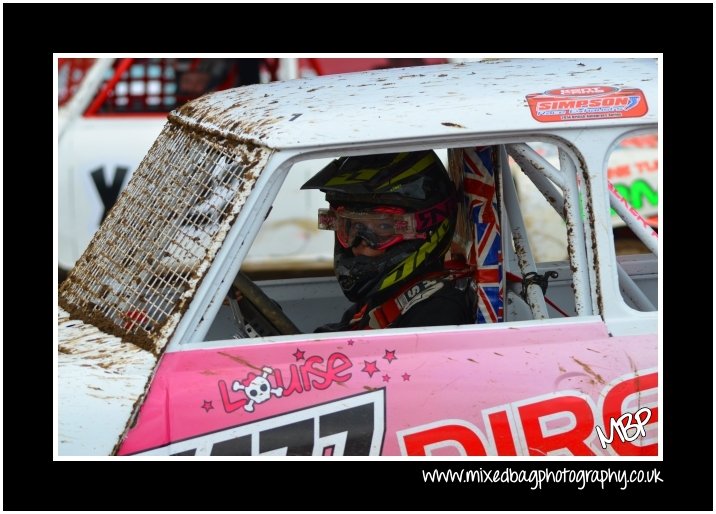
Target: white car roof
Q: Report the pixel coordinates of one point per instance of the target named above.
(479, 97)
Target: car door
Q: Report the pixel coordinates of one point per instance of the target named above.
(539, 373)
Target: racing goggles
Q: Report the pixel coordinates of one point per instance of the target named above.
(380, 227)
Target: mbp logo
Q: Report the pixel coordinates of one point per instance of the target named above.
(623, 424)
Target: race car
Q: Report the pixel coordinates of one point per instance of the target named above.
(158, 355)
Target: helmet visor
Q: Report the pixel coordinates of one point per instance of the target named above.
(380, 228)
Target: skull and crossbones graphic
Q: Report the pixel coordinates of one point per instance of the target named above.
(257, 388)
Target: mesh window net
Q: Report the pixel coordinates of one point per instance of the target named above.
(143, 266)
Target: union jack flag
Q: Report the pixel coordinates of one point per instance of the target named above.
(485, 250)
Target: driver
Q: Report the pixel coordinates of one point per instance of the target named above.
(393, 216)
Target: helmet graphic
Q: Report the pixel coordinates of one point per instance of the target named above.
(403, 203)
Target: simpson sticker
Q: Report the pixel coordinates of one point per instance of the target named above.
(348, 426)
(587, 103)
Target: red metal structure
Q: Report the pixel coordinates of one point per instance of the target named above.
(158, 85)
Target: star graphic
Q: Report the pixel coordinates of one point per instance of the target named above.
(389, 355)
(370, 368)
(386, 378)
(350, 342)
(299, 354)
(406, 377)
(207, 405)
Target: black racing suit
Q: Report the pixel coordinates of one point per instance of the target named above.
(447, 306)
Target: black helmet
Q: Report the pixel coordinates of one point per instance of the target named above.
(413, 190)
